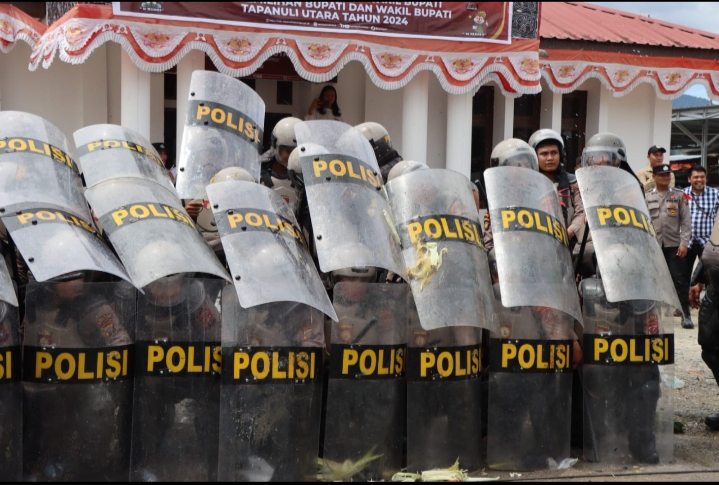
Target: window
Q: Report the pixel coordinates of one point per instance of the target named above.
(526, 115)
(574, 124)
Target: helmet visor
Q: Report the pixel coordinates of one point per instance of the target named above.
(601, 156)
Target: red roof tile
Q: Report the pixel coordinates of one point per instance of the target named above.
(583, 21)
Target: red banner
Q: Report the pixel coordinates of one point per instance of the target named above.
(465, 21)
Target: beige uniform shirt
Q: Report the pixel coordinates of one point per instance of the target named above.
(645, 177)
(670, 216)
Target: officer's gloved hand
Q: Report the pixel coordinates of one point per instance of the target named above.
(193, 209)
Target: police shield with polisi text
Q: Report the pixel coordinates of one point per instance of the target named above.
(175, 430)
(438, 224)
(223, 128)
(271, 401)
(77, 379)
(264, 247)
(530, 363)
(366, 408)
(347, 200)
(628, 340)
(10, 393)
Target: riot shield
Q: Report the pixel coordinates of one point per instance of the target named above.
(112, 151)
(628, 254)
(264, 247)
(55, 243)
(223, 128)
(366, 395)
(530, 241)
(271, 397)
(175, 421)
(77, 381)
(37, 167)
(10, 395)
(443, 396)
(150, 230)
(7, 289)
(628, 376)
(530, 388)
(447, 267)
(350, 214)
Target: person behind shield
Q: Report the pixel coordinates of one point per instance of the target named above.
(386, 156)
(325, 107)
(273, 172)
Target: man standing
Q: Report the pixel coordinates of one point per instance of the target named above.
(669, 211)
(550, 152)
(703, 205)
(655, 155)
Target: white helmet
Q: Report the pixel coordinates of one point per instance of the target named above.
(377, 136)
(160, 254)
(355, 250)
(283, 135)
(232, 173)
(405, 167)
(545, 134)
(604, 149)
(514, 153)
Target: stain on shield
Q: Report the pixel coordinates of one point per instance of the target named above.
(264, 247)
(38, 167)
(223, 128)
(351, 217)
(629, 257)
(441, 235)
(530, 241)
(150, 230)
(112, 151)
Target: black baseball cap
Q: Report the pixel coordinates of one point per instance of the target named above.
(159, 147)
(655, 149)
(661, 168)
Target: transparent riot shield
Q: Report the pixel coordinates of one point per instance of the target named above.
(150, 230)
(55, 243)
(443, 396)
(7, 289)
(530, 241)
(530, 388)
(271, 400)
(37, 167)
(112, 151)
(351, 217)
(366, 397)
(77, 381)
(10, 395)
(223, 128)
(447, 267)
(628, 375)
(264, 247)
(628, 254)
(175, 421)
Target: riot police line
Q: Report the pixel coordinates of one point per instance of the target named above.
(215, 332)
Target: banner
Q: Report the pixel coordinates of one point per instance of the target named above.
(461, 21)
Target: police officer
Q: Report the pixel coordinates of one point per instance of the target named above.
(387, 157)
(707, 272)
(671, 218)
(655, 156)
(273, 172)
(550, 153)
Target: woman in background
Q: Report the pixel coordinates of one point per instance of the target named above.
(325, 107)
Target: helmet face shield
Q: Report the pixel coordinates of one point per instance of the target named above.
(601, 156)
(523, 160)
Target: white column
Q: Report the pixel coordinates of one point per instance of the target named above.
(503, 127)
(459, 133)
(157, 105)
(551, 111)
(193, 61)
(135, 97)
(415, 107)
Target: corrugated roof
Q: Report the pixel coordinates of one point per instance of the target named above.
(582, 21)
